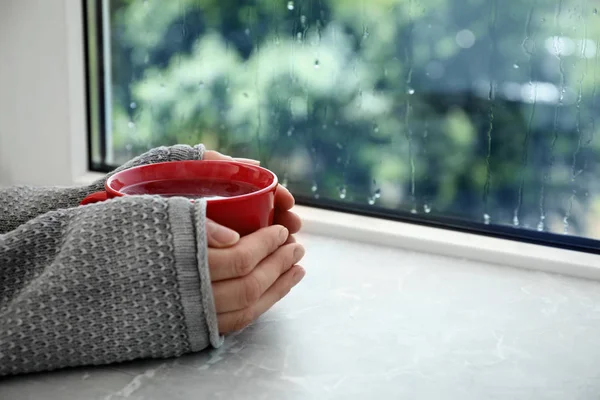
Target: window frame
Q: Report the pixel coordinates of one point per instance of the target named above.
(439, 224)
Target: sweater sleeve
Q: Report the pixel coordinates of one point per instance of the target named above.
(109, 282)
(20, 204)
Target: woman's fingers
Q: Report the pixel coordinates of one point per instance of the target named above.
(288, 219)
(284, 199)
(219, 236)
(241, 259)
(211, 155)
(237, 294)
(291, 240)
(238, 320)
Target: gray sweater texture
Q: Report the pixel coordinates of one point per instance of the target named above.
(104, 283)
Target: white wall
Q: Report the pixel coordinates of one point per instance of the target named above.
(42, 103)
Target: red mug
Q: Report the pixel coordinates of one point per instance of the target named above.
(239, 196)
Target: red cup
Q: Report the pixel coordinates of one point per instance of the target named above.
(252, 189)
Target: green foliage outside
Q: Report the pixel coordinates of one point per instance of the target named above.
(486, 110)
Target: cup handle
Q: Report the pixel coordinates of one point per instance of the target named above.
(94, 198)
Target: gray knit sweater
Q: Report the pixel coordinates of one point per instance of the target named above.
(104, 283)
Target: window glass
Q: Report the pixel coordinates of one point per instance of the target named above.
(482, 111)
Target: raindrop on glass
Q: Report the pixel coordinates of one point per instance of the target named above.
(290, 132)
(371, 201)
(516, 220)
(284, 183)
(290, 5)
(376, 129)
(516, 66)
(413, 211)
(595, 11)
(132, 105)
(201, 84)
(131, 125)
(303, 19)
(410, 91)
(427, 208)
(314, 187)
(317, 64)
(378, 193)
(540, 226)
(245, 95)
(343, 192)
(339, 145)
(128, 147)
(247, 32)
(486, 219)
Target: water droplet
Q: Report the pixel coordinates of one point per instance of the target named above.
(132, 105)
(540, 226)
(595, 11)
(303, 19)
(317, 64)
(516, 220)
(410, 91)
(486, 219)
(131, 125)
(290, 132)
(324, 126)
(246, 95)
(247, 32)
(543, 20)
(413, 211)
(290, 5)
(317, 196)
(128, 147)
(299, 36)
(314, 187)
(343, 192)
(201, 84)
(516, 66)
(371, 201)
(339, 145)
(284, 183)
(378, 193)
(427, 208)
(376, 129)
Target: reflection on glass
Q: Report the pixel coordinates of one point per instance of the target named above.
(484, 110)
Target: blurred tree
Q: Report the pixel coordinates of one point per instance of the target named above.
(475, 109)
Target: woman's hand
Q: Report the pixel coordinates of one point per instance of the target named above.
(251, 274)
(284, 201)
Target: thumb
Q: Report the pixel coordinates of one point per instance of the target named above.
(219, 236)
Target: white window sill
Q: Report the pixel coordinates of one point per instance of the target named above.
(442, 242)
